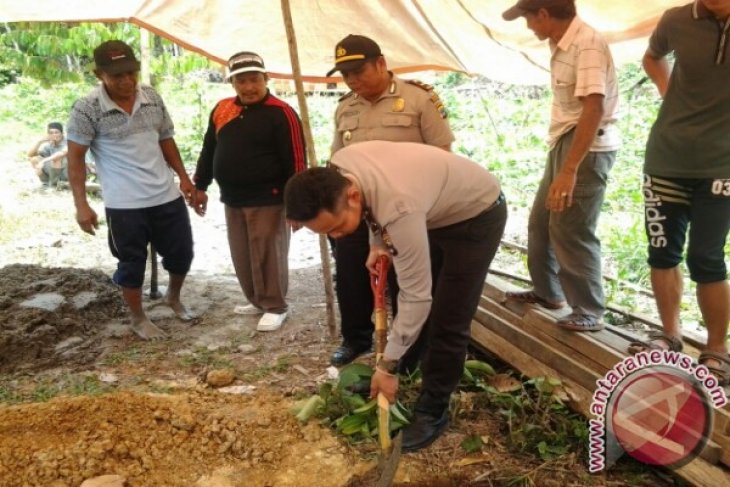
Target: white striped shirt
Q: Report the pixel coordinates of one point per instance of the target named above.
(582, 65)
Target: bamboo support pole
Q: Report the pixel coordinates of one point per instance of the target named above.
(311, 154)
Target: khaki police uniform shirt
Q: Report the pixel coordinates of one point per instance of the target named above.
(406, 112)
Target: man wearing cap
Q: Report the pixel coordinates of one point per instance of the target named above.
(130, 134)
(253, 145)
(381, 106)
(564, 253)
(48, 156)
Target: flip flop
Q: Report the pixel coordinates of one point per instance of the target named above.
(531, 298)
(674, 344)
(581, 322)
(721, 373)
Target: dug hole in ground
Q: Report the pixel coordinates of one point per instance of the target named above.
(143, 410)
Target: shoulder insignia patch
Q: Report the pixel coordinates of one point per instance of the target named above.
(434, 97)
(420, 84)
(345, 96)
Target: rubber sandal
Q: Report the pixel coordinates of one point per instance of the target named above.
(581, 322)
(530, 297)
(721, 373)
(674, 344)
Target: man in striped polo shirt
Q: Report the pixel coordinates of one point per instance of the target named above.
(564, 253)
(128, 130)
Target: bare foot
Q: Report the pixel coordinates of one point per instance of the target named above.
(147, 330)
(180, 310)
(176, 306)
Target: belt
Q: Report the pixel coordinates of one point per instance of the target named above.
(500, 199)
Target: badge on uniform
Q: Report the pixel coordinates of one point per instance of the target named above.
(347, 135)
(399, 104)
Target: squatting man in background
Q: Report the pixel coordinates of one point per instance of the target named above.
(48, 156)
(440, 229)
(253, 145)
(563, 250)
(129, 132)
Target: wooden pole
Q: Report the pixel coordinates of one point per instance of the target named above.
(311, 154)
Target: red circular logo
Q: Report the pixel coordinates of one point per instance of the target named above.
(660, 416)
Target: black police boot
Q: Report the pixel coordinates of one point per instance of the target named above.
(424, 429)
(430, 420)
(346, 353)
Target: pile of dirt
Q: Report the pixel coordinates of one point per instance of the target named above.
(52, 315)
(199, 438)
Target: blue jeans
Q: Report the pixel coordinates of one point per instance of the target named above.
(563, 251)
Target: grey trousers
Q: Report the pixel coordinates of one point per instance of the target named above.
(563, 251)
(258, 238)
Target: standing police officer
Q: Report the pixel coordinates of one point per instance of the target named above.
(380, 106)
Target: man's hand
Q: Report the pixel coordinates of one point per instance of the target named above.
(87, 220)
(560, 194)
(188, 190)
(375, 252)
(199, 201)
(384, 383)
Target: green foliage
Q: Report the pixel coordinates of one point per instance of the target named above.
(46, 388)
(537, 420)
(344, 406)
(54, 52)
(57, 52)
(476, 373)
(472, 444)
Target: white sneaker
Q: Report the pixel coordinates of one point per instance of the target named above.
(249, 309)
(271, 321)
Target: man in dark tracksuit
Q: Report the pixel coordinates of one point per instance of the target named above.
(253, 145)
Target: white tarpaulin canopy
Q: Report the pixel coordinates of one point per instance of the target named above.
(415, 35)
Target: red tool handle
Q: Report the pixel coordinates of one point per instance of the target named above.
(379, 280)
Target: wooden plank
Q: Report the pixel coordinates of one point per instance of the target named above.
(693, 338)
(608, 347)
(631, 335)
(579, 349)
(592, 350)
(724, 443)
(580, 398)
(560, 362)
(700, 473)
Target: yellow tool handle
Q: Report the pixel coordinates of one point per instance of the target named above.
(384, 422)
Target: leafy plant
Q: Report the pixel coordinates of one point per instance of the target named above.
(344, 405)
(537, 420)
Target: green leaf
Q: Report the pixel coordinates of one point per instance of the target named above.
(352, 374)
(472, 443)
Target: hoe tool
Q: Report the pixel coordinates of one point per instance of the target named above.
(390, 449)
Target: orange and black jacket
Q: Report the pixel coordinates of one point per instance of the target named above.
(251, 151)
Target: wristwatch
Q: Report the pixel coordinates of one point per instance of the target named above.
(387, 366)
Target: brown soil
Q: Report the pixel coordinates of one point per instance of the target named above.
(143, 410)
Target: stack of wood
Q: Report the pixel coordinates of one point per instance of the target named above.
(527, 338)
